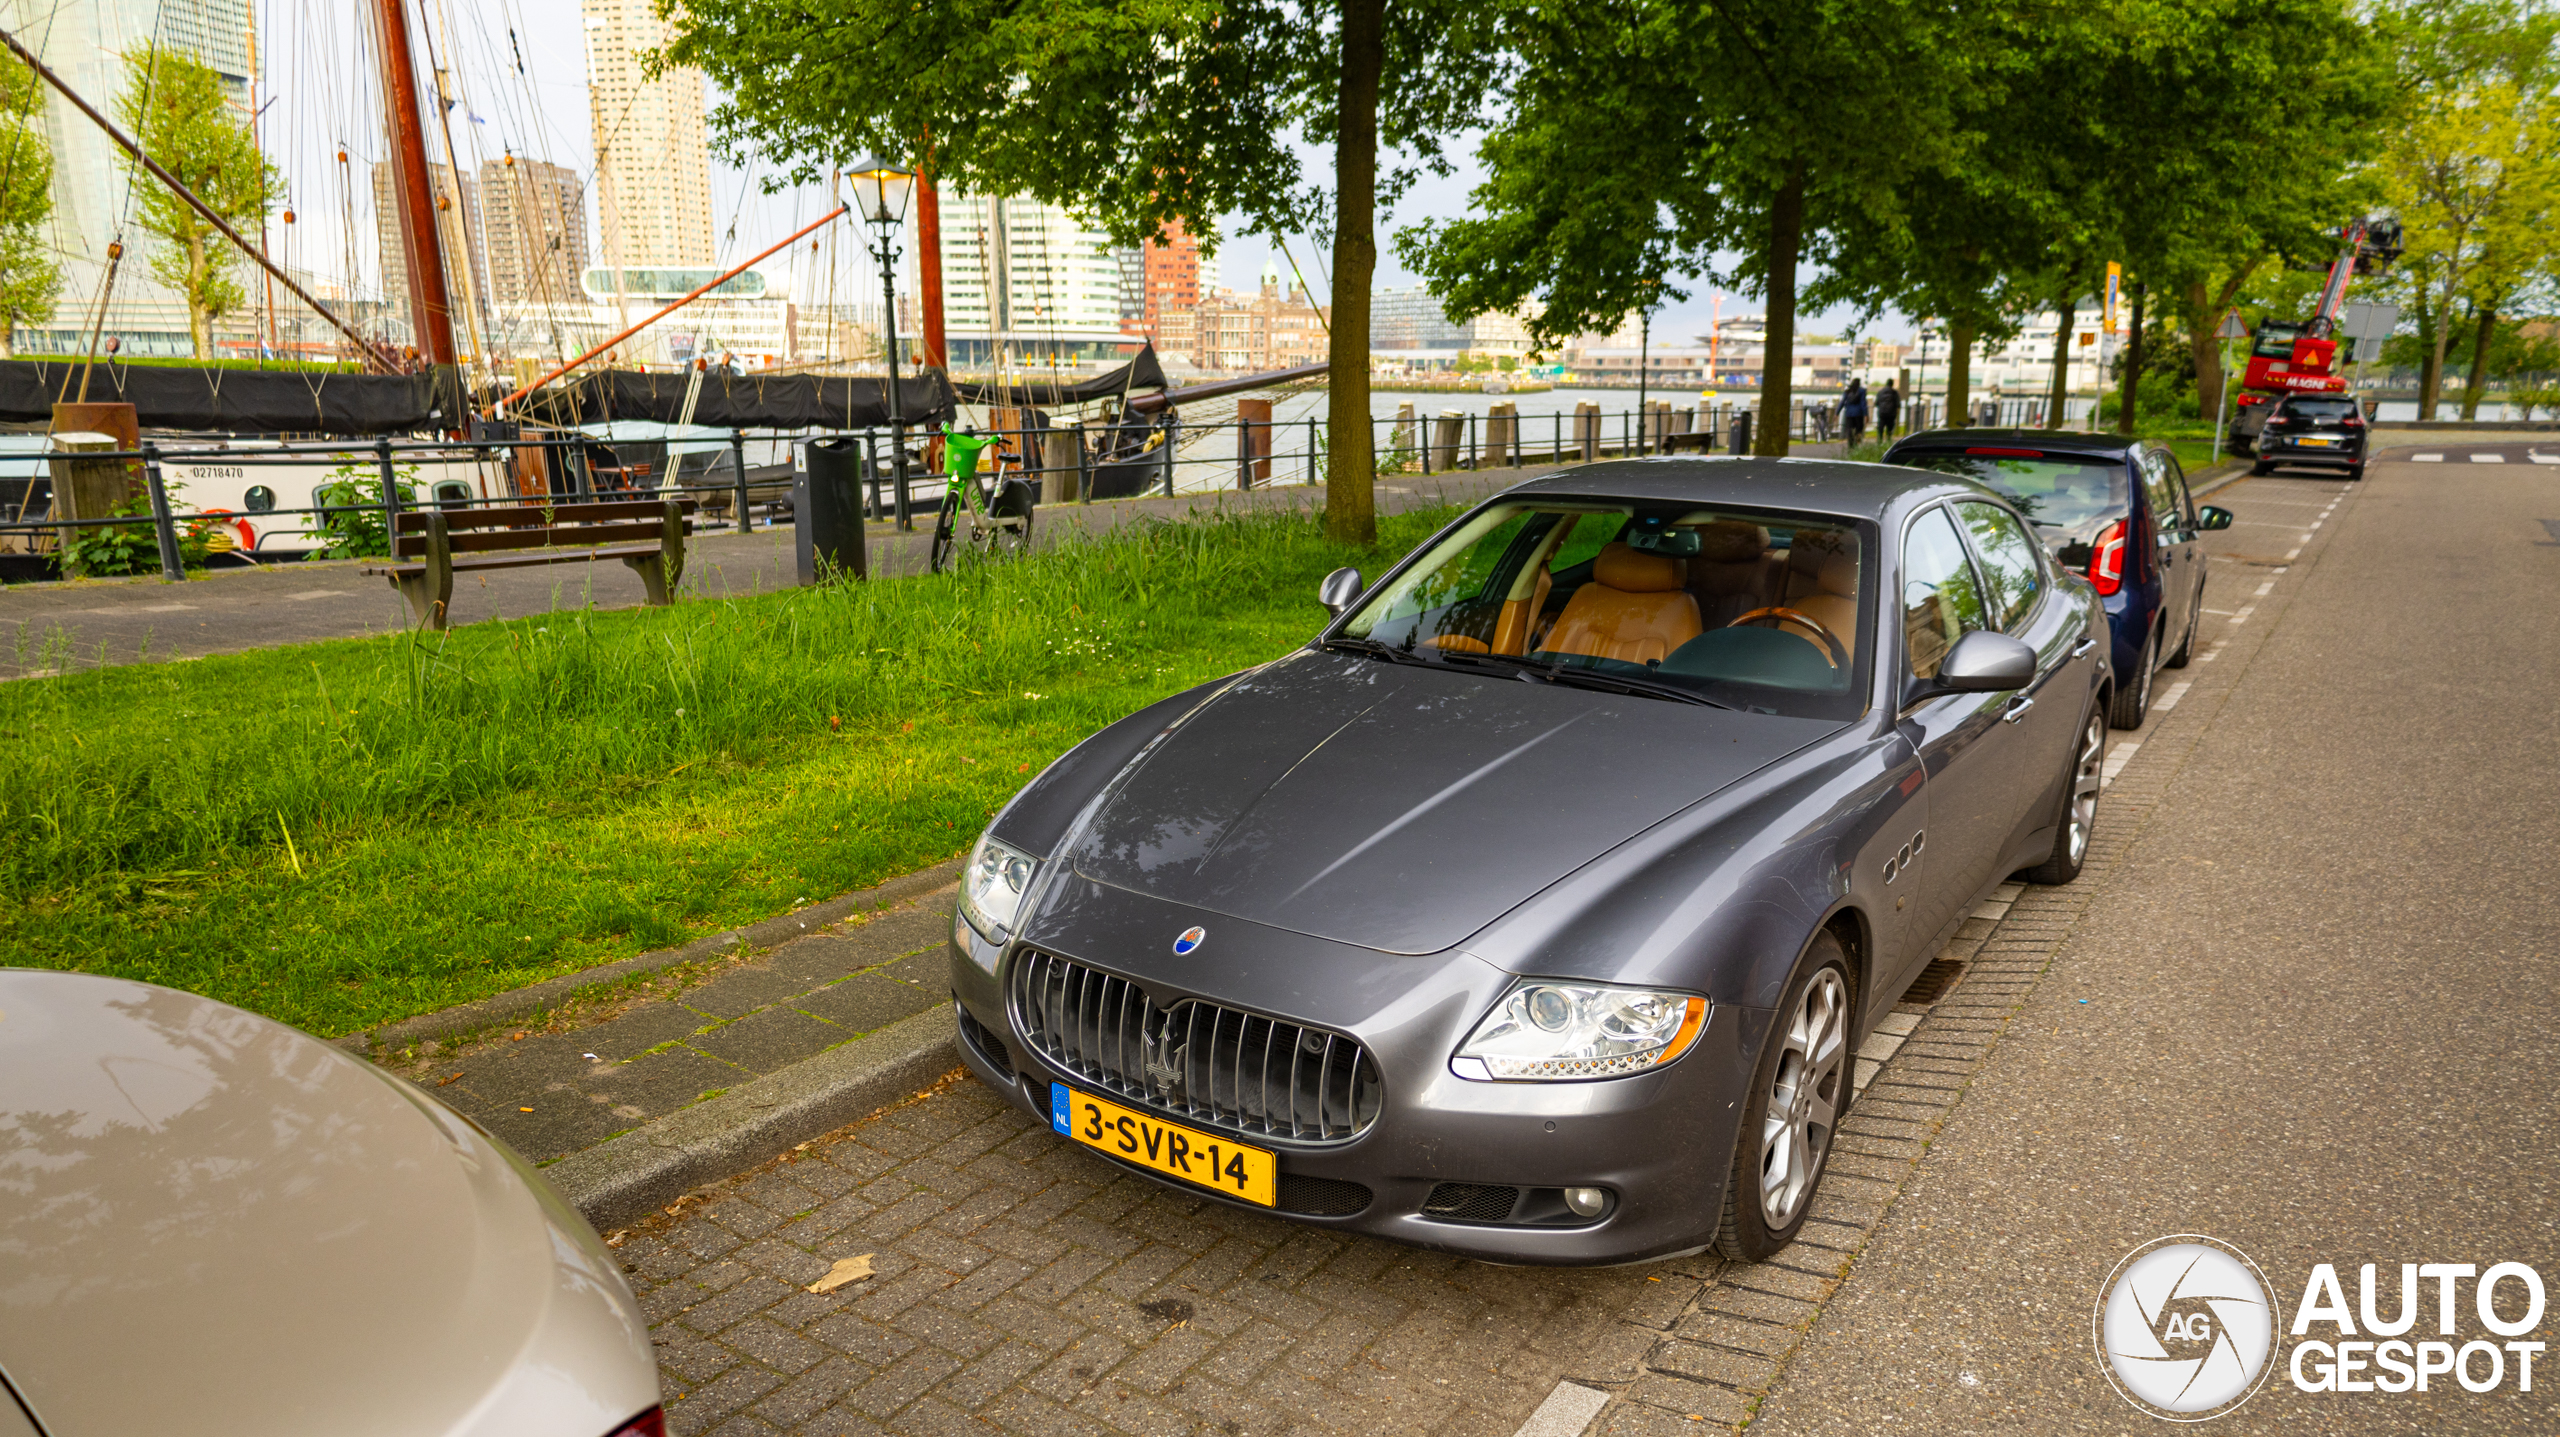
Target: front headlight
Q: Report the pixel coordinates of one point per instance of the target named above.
(1562, 1032)
(991, 887)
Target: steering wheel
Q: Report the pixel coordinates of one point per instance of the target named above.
(1839, 652)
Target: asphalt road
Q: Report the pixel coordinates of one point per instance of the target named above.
(2310, 1016)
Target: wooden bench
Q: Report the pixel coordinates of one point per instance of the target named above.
(648, 535)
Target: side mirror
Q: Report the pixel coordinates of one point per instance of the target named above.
(1984, 662)
(1339, 591)
(2209, 517)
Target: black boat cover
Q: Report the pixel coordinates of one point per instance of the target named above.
(740, 401)
(239, 401)
(1140, 374)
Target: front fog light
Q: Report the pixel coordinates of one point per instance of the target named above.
(991, 887)
(1563, 1032)
(1586, 1202)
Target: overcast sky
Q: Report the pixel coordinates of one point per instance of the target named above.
(520, 70)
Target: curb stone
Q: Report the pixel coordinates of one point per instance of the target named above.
(622, 1178)
(465, 1019)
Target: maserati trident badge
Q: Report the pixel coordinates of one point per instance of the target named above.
(1191, 938)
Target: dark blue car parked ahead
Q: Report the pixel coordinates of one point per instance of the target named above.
(2113, 508)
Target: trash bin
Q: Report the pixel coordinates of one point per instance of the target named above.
(826, 512)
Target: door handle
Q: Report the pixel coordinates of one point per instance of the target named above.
(2017, 709)
(2086, 645)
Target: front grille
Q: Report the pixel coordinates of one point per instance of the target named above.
(1197, 1060)
(1321, 1197)
(1471, 1202)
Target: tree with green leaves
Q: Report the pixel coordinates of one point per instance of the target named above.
(1648, 138)
(30, 275)
(175, 108)
(1136, 115)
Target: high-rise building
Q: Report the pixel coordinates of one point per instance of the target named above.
(1024, 282)
(653, 155)
(85, 42)
(1172, 279)
(458, 233)
(534, 219)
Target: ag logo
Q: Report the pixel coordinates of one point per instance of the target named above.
(1191, 938)
(2185, 1326)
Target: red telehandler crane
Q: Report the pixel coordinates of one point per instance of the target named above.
(2295, 356)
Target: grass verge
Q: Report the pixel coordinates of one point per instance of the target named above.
(347, 833)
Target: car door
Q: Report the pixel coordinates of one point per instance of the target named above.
(2173, 547)
(2043, 718)
(1961, 742)
(2189, 550)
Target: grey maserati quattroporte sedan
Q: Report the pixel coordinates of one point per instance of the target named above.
(1537, 908)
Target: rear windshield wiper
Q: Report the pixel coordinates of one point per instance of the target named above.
(1615, 683)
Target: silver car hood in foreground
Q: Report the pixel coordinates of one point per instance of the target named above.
(1399, 808)
(211, 1223)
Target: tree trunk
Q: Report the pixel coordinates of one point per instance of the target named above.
(2067, 311)
(2204, 350)
(2431, 377)
(2479, 379)
(1778, 353)
(2132, 367)
(1960, 334)
(199, 324)
(1350, 496)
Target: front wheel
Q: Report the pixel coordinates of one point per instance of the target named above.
(1799, 1093)
(938, 558)
(2079, 816)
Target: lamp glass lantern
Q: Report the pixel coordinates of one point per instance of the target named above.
(880, 192)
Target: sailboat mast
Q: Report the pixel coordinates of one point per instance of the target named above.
(431, 311)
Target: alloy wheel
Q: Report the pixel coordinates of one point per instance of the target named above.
(1804, 1097)
(2087, 777)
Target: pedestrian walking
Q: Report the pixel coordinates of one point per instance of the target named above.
(1853, 412)
(1888, 411)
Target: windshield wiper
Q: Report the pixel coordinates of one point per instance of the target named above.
(1615, 683)
(1376, 650)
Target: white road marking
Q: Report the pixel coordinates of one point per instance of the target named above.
(2488, 459)
(2293, 553)
(165, 608)
(2226, 613)
(2169, 700)
(2116, 760)
(2538, 457)
(1566, 1412)
(313, 594)
(2263, 589)
(2242, 617)
(2209, 655)
(2428, 458)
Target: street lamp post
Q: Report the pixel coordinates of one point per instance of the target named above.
(880, 193)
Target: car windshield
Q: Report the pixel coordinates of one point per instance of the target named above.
(1745, 609)
(2319, 408)
(2073, 492)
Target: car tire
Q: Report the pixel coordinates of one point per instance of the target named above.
(2355, 475)
(2133, 695)
(1800, 1091)
(2077, 819)
(2187, 646)
(2260, 469)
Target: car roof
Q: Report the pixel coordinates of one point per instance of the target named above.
(2059, 441)
(1831, 487)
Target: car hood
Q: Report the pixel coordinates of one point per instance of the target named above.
(1401, 808)
(212, 1223)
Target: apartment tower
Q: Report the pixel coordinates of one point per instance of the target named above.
(653, 155)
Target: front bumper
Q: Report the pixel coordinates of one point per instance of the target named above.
(1661, 1142)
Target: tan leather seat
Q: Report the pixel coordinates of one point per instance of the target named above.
(1822, 585)
(1633, 610)
(1835, 604)
(1732, 572)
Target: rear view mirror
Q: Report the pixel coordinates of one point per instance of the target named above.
(2210, 517)
(1339, 591)
(1984, 662)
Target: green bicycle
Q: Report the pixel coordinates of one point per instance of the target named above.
(989, 513)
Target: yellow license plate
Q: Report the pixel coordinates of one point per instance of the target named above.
(1204, 1159)
(2323, 443)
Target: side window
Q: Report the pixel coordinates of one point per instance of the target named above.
(1940, 601)
(2167, 514)
(2186, 502)
(2012, 577)
(1589, 535)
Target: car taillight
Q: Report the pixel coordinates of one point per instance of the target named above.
(652, 1423)
(2106, 561)
(2353, 421)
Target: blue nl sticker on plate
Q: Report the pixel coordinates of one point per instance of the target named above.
(1058, 1103)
